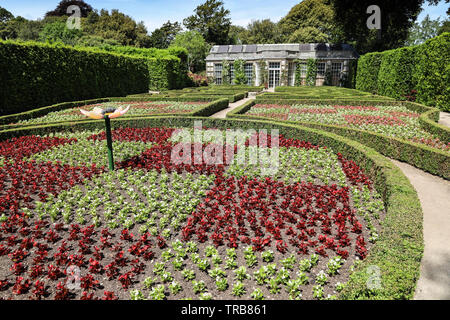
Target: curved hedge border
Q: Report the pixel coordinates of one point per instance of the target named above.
(399, 249)
(423, 157)
(8, 121)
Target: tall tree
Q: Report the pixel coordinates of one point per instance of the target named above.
(162, 37)
(261, 31)
(61, 9)
(117, 26)
(196, 46)
(58, 32)
(5, 15)
(212, 20)
(397, 17)
(309, 16)
(426, 29)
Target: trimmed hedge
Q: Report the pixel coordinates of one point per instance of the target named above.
(399, 249)
(433, 72)
(398, 73)
(8, 122)
(423, 157)
(395, 78)
(368, 68)
(36, 74)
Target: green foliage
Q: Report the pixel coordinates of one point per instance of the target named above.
(395, 77)
(161, 38)
(432, 73)
(396, 73)
(311, 20)
(239, 73)
(58, 32)
(226, 72)
(260, 31)
(426, 29)
(212, 20)
(196, 47)
(311, 72)
(50, 74)
(368, 68)
(61, 9)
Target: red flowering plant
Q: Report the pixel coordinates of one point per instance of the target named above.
(76, 232)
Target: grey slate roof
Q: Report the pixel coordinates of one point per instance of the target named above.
(282, 51)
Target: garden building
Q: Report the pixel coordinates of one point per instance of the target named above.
(282, 64)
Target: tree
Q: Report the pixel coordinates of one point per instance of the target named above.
(162, 37)
(117, 26)
(58, 32)
(421, 32)
(261, 32)
(61, 9)
(445, 27)
(308, 35)
(212, 20)
(5, 15)
(20, 28)
(236, 34)
(309, 15)
(196, 46)
(397, 17)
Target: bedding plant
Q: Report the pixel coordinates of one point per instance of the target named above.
(392, 121)
(155, 229)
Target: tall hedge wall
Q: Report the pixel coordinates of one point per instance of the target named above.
(33, 75)
(168, 68)
(368, 68)
(396, 73)
(433, 73)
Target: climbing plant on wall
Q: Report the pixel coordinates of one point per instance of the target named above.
(298, 73)
(311, 72)
(263, 72)
(239, 73)
(226, 79)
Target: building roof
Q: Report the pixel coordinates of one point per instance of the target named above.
(282, 51)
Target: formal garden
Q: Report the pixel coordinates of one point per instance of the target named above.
(119, 181)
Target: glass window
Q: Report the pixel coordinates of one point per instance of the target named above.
(218, 73)
(231, 72)
(291, 73)
(248, 68)
(274, 65)
(321, 69)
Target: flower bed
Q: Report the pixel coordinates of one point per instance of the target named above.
(392, 121)
(154, 229)
(137, 109)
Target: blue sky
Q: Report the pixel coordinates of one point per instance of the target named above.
(155, 12)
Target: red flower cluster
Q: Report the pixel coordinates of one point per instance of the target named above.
(300, 217)
(354, 172)
(22, 182)
(39, 264)
(266, 140)
(360, 119)
(156, 135)
(19, 148)
(360, 108)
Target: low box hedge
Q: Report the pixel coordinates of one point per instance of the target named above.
(434, 161)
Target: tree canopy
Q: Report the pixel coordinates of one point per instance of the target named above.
(196, 46)
(426, 29)
(61, 9)
(309, 16)
(212, 20)
(162, 37)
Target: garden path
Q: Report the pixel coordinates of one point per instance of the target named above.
(445, 119)
(434, 195)
(223, 114)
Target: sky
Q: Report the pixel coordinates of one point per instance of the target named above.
(156, 12)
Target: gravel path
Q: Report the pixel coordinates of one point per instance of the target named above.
(434, 195)
(445, 119)
(223, 114)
